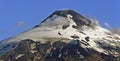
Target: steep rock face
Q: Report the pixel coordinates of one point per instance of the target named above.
(63, 36)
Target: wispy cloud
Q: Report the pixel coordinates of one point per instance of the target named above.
(55, 21)
(20, 23)
(107, 24)
(116, 31)
(92, 19)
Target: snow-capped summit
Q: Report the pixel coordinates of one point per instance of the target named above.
(63, 26)
(64, 15)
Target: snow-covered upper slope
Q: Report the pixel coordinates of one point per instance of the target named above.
(66, 26)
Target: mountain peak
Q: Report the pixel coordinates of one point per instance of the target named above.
(65, 35)
(70, 14)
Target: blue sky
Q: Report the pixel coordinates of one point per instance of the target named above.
(19, 15)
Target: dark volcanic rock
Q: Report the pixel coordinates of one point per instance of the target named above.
(28, 50)
(78, 19)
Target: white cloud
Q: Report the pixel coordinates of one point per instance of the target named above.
(55, 21)
(107, 25)
(92, 19)
(20, 23)
(116, 31)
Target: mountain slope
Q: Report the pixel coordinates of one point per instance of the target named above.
(64, 35)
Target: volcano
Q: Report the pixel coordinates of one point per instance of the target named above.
(65, 35)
